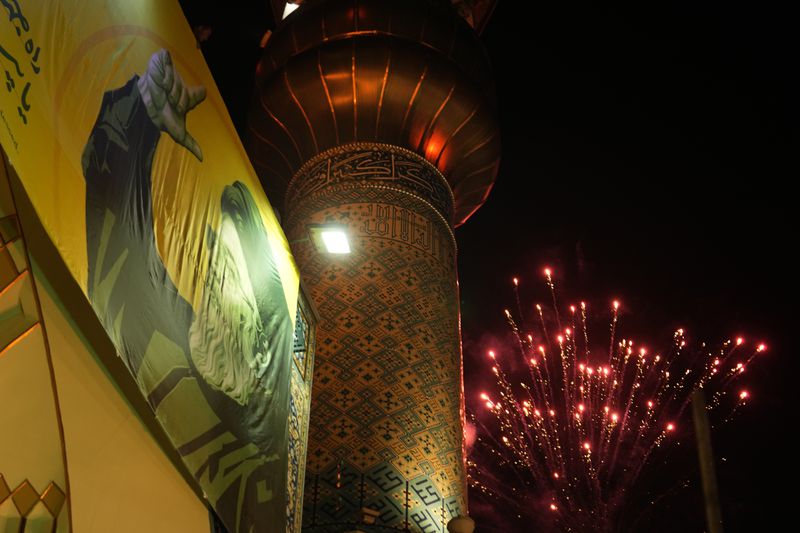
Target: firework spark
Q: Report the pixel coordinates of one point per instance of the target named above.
(582, 425)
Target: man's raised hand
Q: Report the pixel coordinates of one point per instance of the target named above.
(168, 99)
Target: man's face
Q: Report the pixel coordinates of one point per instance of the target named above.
(227, 341)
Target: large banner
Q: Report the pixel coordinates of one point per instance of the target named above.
(123, 144)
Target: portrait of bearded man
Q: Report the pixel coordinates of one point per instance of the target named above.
(217, 377)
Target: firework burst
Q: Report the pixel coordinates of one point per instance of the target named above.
(575, 433)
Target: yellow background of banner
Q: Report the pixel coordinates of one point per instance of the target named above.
(90, 47)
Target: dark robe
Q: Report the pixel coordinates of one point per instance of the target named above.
(238, 453)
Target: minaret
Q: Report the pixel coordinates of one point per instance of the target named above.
(378, 116)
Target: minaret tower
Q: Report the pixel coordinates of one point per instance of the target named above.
(377, 116)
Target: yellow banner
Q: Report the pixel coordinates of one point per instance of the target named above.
(124, 146)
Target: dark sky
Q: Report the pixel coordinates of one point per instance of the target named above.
(649, 152)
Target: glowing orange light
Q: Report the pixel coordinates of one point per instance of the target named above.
(649, 404)
(670, 426)
(516, 281)
(560, 339)
(533, 361)
(761, 347)
(616, 305)
(547, 272)
(739, 341)
(484, 396)
(553, 507)
(744, 395)
(537, 413)
(555, 475)
(605, 409)
(491, 354)
(572, 309)
(614, 417)
(587, 446)
(580, 407)
(552, 413)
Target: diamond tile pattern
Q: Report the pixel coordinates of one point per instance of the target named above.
(299, 406)
(385, 430)
(25, 497)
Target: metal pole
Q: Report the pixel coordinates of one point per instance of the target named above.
(706, 457)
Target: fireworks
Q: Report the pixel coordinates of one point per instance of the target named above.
(577, 431)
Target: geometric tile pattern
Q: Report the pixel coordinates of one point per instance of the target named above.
(25, 497)
(20, 318)
(17, 298)
(382, 165)
(386, 430)
(299, 408)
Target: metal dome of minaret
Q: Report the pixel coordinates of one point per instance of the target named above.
(410, 74)
(378, 117)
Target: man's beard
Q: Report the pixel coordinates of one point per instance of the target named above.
(227, 342)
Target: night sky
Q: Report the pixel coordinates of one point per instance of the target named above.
(649, 154)
(646, 156)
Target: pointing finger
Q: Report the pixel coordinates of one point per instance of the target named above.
(191, 144)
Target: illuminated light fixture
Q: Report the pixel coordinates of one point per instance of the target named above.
(336, 242)
(331, 238)
(289, 8)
